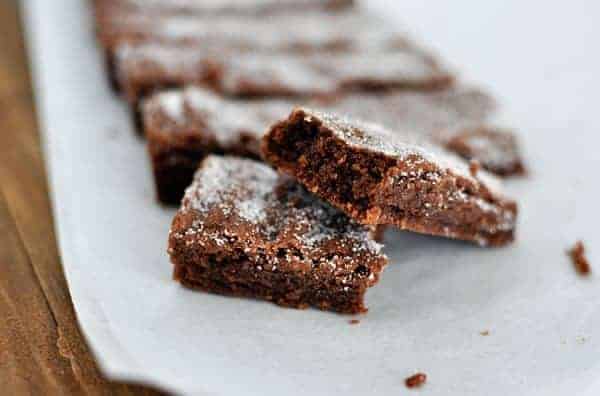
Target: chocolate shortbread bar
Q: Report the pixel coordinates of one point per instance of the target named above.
(303, 33)
(184, 126)
(242, 230)
(382, 178)
(146, 67)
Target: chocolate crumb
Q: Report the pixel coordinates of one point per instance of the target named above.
(485, 333)
(354, 321)
(474, 167)
(416, 380)
(580, 262)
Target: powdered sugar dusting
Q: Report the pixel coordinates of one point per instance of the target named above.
(492, 146)
(133, 58)
(227, 121)
(233, 185)
(172, 104)
(400, 67)
(438, 114)
(279, 74)
(254, 193)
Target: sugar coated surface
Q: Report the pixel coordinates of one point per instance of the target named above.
(227, 121)
(243, 72)
(251, 193)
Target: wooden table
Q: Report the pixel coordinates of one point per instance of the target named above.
(42, 351)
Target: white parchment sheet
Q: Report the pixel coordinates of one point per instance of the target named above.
(436, 296)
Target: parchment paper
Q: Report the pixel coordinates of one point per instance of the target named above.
(435, 297)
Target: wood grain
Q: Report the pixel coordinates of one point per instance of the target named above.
(42, 351)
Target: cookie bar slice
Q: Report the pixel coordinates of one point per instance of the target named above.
(142, 68)
(316, 33)
(378, 177)
(243, 230)
(305, 34)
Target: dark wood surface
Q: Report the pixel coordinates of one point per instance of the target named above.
(42, 351)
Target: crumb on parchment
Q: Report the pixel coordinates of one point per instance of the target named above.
(416, 380)
(577, 254)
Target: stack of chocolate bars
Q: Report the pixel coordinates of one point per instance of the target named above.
(293, 132)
